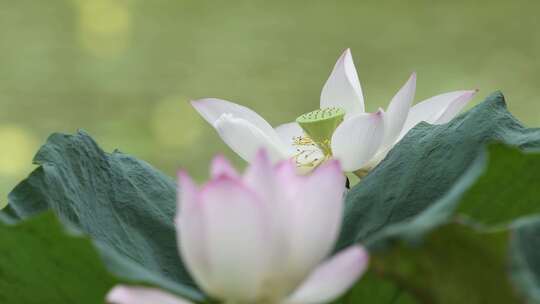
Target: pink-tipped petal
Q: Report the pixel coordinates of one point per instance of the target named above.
(211, 110)
(397, 111)
(357, 139)
(187, 193)
(263, 176)
(288, 132)
(246, 139)
(431, 109)
(141, 295)
(316, 214)
(190, 230)
(260, 175)
(288, 180)
(236, 239)
(342, 89)
(222, 166)
(455, 107)
(332, 278)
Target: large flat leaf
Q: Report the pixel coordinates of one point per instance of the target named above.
(508, 188)
(124, 204)
(439, 262)
(40, 263)
(428, 212)
(425, 165)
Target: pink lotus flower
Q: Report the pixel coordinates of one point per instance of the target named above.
(262, 237)
(340, 128)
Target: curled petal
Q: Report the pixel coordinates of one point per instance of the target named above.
(432, 109)
(332, 278)
(397, 111)
(455, 107)
(342, 89)
(246, 139)
(211, 110)
(357, 140)
(141, 295)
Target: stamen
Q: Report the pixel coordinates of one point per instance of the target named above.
(303, 141)
(308, 153)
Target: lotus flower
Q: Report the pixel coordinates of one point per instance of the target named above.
(262, 237)
(340, 128)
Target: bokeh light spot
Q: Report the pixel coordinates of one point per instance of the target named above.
(18, 149)
(104, 26)
(176, 124)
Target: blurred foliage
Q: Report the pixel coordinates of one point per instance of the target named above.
(125, 70)
(41, 263)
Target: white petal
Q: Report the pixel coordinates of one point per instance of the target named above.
(211, 109)
(260, 176)
(455, 107)
(188, 193)
(288, 180)
(189, 223)
(397, 112)
(333, 278)
(288, 132)
(141, 295)
(342, 89)
(431, 109)
(246, 139)
(236, 239)
(300, 219)
(357, 139)
(316, 214)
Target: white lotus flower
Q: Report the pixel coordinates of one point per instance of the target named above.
(340, 128)
(262, 237)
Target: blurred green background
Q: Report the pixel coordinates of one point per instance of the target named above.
(124, 70)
